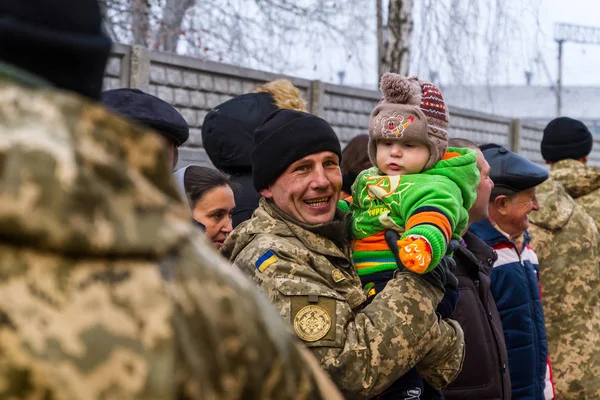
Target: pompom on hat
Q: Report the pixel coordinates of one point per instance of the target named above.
(410, 110)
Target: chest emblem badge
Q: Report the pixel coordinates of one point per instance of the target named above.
(312, 323)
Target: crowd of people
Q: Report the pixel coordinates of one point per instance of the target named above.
(409, 265)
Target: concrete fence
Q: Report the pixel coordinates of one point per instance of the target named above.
(195, 86)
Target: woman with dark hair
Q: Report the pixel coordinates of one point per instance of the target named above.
(210, 196)
(355, 159)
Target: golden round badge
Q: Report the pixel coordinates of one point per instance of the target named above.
(312, 323)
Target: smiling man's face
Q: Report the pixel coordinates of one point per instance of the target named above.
(309, 189)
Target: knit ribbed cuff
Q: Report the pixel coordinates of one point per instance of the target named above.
(370, 262)
(435, 237)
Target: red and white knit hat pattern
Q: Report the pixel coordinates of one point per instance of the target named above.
(434, 108)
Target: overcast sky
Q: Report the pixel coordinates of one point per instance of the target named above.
(580, 62)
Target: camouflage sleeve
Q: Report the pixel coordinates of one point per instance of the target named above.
(363, 351)
(230, 341)
(569, 271)
(591, 204)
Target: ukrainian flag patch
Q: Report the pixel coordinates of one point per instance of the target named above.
(265, 261)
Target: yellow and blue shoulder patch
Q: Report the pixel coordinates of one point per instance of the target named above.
(265, 261)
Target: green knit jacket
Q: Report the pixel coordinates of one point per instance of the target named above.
(433, 204)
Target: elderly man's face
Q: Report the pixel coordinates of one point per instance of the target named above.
(309, 189)
(513, 211)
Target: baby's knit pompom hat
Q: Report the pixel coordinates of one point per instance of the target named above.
(411, 110)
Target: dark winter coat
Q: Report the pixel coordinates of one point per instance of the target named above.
(485, 373)
(516, 290)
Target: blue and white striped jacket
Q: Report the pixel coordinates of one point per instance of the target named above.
(516, 290)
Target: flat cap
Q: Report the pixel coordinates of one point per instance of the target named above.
(148, 110)
(512, 171)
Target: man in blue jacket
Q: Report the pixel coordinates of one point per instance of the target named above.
(514, 277)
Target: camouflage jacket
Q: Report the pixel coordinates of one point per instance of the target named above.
(89, 213)
(582, 183)
(307, 274)
(566, 239)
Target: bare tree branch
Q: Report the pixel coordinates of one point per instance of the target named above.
(468, 40)
(257, 33)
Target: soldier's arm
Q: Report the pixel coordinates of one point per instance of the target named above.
(230, 342)
(363, 351)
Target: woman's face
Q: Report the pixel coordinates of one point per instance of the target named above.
(214, 212)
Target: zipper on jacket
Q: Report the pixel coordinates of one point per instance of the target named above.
(501, 364)
(535, 332)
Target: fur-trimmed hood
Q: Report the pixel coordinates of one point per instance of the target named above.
(228, 129)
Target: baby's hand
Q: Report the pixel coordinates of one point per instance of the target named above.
(415, 253)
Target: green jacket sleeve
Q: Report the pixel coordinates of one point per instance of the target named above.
(433, 209)
(426, 205)
(433, 204)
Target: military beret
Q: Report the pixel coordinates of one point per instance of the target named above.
(148, 110)
(511, 171)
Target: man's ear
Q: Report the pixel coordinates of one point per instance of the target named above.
(501, 204)
(267, 193)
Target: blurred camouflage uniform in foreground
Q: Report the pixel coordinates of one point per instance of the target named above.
(310, 278)
(566, 241)
(89, 213)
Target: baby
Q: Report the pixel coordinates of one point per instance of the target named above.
(417, 187)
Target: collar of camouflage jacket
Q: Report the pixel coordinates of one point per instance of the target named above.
(578, 178)
(12, 73)
(80, 181)
(336, 230)
(330, 239)
(556, 206)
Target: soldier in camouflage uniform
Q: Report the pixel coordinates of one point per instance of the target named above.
(89, 213)
(566, 146)
(566, 241)
(296, 248)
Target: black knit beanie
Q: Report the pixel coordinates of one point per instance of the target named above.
(566, 138)
(59, 40)
(283, 138)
